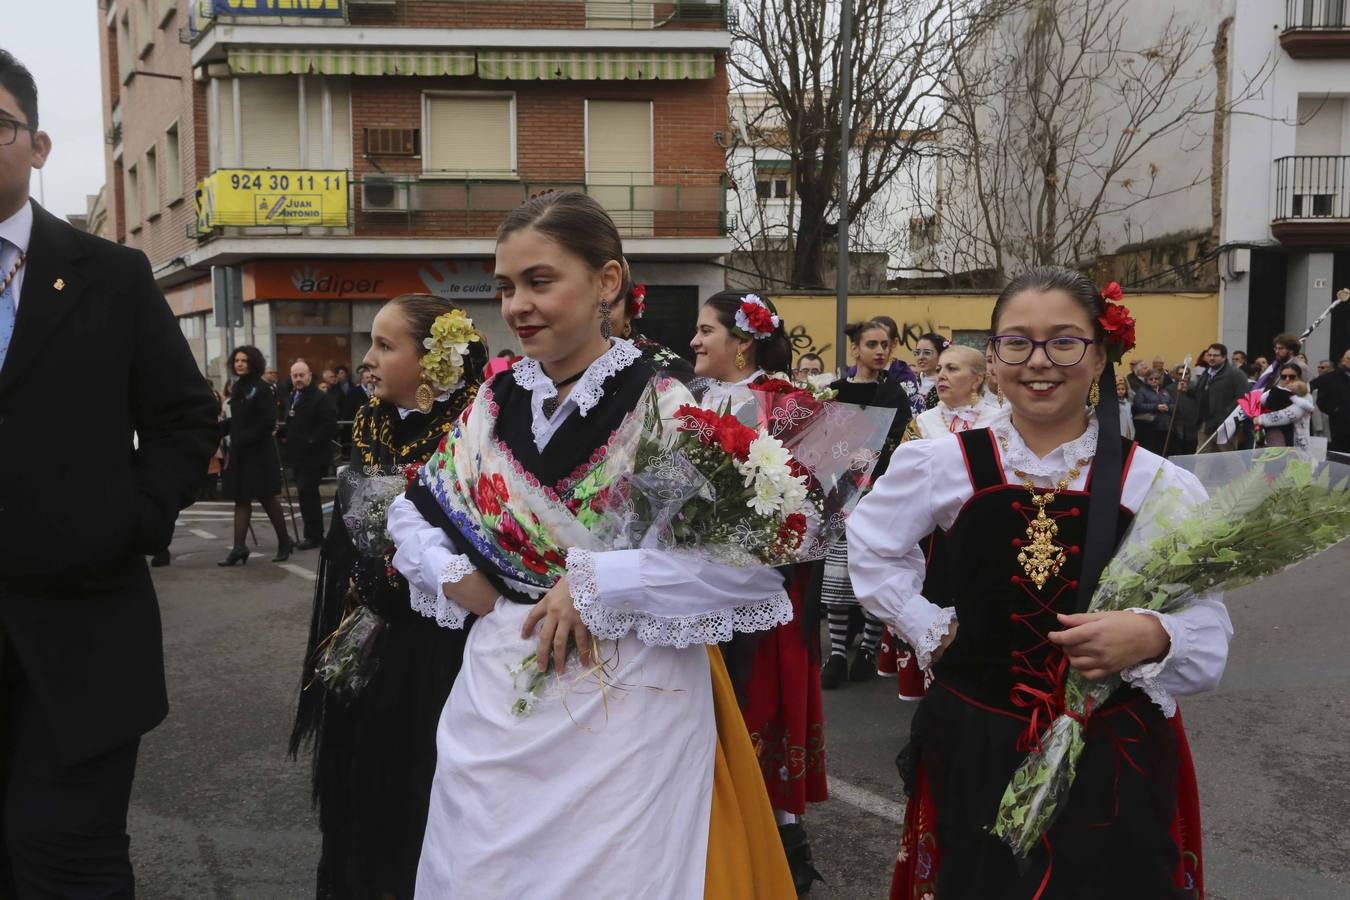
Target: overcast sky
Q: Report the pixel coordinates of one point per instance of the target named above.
(58, 41)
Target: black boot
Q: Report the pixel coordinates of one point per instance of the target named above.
(237, 555)
(834, 672)
(798, 850)
(864, 666)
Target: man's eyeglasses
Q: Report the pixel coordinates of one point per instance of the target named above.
(1015, 350)
(9, 131)
(1284, 377)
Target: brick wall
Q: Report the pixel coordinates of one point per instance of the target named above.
(551, 141)
(149, 105)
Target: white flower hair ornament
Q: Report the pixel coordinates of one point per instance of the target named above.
(754, 318)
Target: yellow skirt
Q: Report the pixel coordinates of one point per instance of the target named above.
(745, 854)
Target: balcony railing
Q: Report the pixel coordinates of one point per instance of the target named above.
(642, 204)
(1312, 187)
(1315, 15)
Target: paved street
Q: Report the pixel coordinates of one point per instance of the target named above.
(218, 810)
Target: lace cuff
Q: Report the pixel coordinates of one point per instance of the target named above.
(1146, 675)
(446, 612)
(932, 636)
(611, 623)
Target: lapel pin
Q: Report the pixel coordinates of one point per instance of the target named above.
(59, 284)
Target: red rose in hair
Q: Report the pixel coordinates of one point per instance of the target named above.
(638, 300)
(759, 317)
(1119, 327)
(1113, 292)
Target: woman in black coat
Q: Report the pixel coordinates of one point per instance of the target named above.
(252, 465)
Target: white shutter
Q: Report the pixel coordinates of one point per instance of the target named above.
(340, 93)
(469, 137)
(619, 161)
(224, 123)
(270, 118)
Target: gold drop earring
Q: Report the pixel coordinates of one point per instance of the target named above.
(740, 358)
(425, 398)
(1094, 395)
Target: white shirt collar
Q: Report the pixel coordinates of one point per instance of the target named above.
(1056, 464)
(583, 398)
(18, 228)
(719, 393)
(404, 413)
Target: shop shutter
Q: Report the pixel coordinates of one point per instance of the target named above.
(270, 118)
(619, 161)
(469, 137)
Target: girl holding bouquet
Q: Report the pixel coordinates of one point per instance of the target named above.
(777, 673)
(870, 386)
(370, 711)
(629, 773)
(1032, 508)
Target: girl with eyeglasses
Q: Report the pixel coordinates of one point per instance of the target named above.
(926, 352)
(1032, 508)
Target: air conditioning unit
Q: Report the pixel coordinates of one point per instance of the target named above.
(385, 195)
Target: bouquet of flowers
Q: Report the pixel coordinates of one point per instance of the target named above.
(770, 485)
(1267, 509)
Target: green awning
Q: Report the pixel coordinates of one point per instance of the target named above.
(297, 61)
(550, 65)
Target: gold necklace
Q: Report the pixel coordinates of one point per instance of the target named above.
(1040, 556)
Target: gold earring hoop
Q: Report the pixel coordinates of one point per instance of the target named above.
(740, 359)
(1094, 395)
(425, 398)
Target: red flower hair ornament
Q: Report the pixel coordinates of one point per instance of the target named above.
(637, 300)
(754, 318)
(1116, 322)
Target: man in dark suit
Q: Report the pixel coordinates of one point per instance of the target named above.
(311, 425)
(1333, 398)
(82, 676)
(1216, 395)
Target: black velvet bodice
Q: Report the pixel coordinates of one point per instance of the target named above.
(1004, 618)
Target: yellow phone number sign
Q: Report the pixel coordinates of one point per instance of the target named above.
(255, 197)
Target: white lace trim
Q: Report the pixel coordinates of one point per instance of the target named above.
(589, 390)
(925, 644)
(1019, 456)
(446, 612)
(1145, 675)
(609, 623)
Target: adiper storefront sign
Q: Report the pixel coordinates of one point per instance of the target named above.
(369, 280)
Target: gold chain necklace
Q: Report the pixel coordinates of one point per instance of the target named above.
(1041, 558)
(4, 285)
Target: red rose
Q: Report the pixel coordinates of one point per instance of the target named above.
(774, 386)
(1119, 327)
(1113, 292)
(734, 439)
(698, 421)
(759, 317)
(796, 522)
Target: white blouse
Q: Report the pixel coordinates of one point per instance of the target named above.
(666, 599)
(943, 419)
(926, 486)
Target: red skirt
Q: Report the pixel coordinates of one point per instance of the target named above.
(919, 857)
(784, 713)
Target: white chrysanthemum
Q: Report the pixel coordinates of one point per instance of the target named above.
(767, 499)
(768, 454)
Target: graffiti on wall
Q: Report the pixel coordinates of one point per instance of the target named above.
(803, 342)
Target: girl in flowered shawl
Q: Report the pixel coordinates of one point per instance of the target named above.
(631, 771)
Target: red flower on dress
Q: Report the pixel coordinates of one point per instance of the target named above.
(487, 499)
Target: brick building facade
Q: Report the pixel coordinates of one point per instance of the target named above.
(428, 120)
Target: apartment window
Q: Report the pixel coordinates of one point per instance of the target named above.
(124, 48)
(144, 28)
(469, 136)
(619, 161)
(273, 119)
(773, 179)
(173, 165)
(133, 198)
(151, 176)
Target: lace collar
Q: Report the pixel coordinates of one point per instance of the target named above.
(1017, 455)
(588, 392)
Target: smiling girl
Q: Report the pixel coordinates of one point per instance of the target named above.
(1130, 828)
(631, 768)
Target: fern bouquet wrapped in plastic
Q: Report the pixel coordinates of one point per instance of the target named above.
(1267, 510)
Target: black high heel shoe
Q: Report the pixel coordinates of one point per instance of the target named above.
(284, 552)
(237, 555)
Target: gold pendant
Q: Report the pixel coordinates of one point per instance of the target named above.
(1041, 557)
